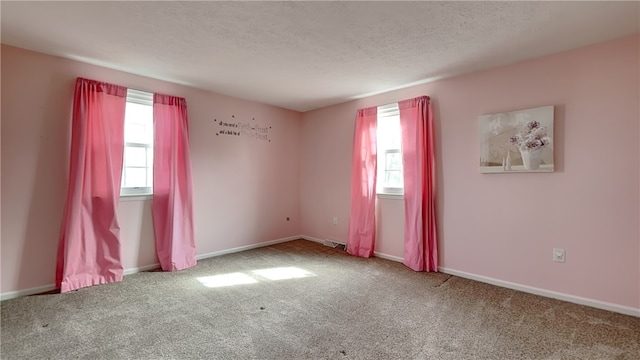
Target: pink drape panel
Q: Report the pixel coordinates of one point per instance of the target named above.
(362, 221)
(418, 161)
(172, 188)
(89, 245)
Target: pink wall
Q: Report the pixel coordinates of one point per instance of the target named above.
(244, 188)
(504, 226)
(390, 227)
(499, 226)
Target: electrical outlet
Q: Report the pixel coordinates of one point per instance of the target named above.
(335, 220)
(559, 255)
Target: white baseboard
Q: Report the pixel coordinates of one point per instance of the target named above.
(311, 238)
(141, 269)
(26, 292)
(247, 247)
(41, 289)
(627, 310)
(388, 257)
(45, 288)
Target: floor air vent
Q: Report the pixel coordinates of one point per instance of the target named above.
(334, 244)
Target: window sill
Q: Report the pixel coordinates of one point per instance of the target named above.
(136, 197)
(390, 196)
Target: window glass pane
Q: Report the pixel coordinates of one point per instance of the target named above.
(389, 133)
(393, 179)
(136, 177)
(135, 156)
(393, 161)
(383, 132)
(135, 133)
(395, 133)
(138, 123)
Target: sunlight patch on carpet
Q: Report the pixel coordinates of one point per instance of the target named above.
(226, 280)
(283, 273)
(241, 278)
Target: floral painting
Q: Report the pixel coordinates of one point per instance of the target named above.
(517, 141)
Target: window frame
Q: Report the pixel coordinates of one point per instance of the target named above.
(142, 98)
(385, 112)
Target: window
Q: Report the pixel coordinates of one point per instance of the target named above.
(389, 142)
(137, 168)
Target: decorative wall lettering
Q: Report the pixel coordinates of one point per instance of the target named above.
(238, 128)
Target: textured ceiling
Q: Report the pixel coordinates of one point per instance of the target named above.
(306, 55)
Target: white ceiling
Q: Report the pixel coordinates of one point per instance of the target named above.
(306, 55)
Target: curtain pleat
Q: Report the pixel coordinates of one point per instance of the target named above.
(172, 186)
(362, 221)
(418, 161)
(89, 243)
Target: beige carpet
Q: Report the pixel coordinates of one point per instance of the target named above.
(324, 304)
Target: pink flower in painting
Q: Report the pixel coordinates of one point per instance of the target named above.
(532, 136)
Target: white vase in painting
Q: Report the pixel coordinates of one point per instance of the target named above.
(531, 158)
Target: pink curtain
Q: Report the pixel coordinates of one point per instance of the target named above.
(362, 222)
(418, 161)
(89, 245)
(172, 190)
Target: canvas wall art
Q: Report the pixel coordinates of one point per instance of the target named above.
(517, 141)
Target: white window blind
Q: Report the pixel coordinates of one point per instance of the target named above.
(140, 97)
